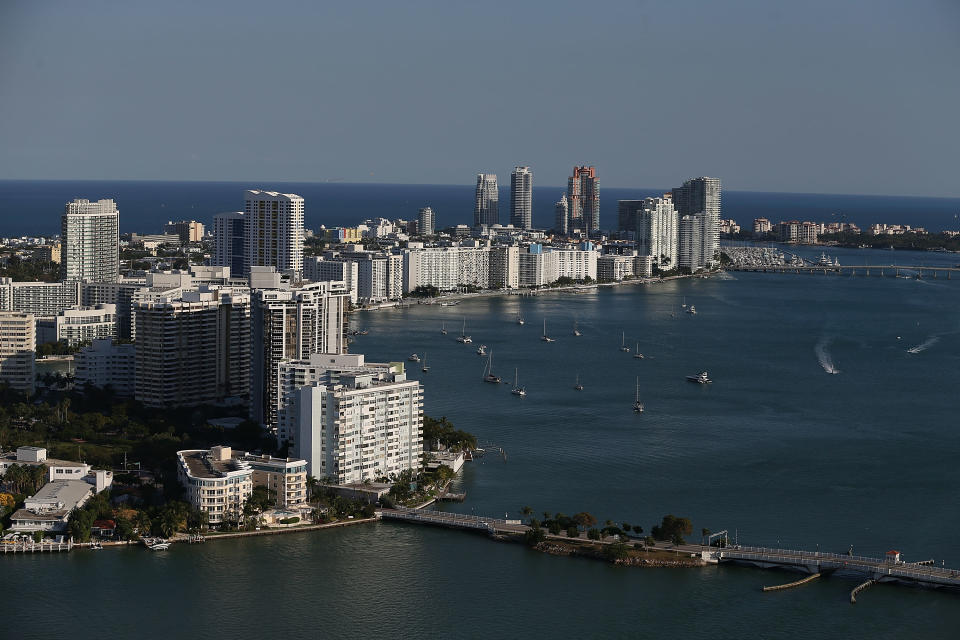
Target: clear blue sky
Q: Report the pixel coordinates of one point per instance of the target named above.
(846, 96)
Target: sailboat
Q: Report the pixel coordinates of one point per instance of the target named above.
(464, 338)
(425, 368)
(578, 386)
(443, 328)
(576, 331)
(519, 318)
(636, 354)
(488, 372)
(623, 343)
(517, 389)
(637, 405)
(684, 305)
(545, 337)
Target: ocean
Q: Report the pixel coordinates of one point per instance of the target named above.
(35, 207)
(777, 450)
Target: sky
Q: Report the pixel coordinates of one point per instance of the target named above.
(821, 96)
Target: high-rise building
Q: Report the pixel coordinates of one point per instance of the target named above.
(17, 350)
(486, 210)
(583, 199)
(291, 324)
(193, 347)
(90, 233)
(187, 230)
(426, 224)
(689, 243)
(104, 363)
(273, 230)
(562, 213)
(701, 197)
(521, 198)
(79, 324)
(230, 241)
(656, 230)
(352, 421)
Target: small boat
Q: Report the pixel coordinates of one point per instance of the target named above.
(578, 386)
(700, 378)
(425, 368)
(156, 544)
(545, 337)
(482, 350)
(576, 331)
(96, 546)
(414, 358)
(623, 343)
(637, 405)
(636, 354)
(443, 328)
(488, 372)
(520, 319)
(692, 310)
(517, 389)
(684, 304)
(463, 338)
(364, 332)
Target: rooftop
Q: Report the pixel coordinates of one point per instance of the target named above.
(200, 464)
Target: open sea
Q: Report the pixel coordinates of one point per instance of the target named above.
(777, 450)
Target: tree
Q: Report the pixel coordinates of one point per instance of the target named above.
(616, 551)
(637, 529)
(625, 527)
(584, 519)
(526, 511)
(534, 536)
(573, 531)
(80, 525)
(594, 534)
(703, 534)
(672, 526)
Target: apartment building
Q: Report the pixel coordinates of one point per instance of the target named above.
(79, 324)
(90, 236)
(105, 364)
(215, 482)
(17, 350)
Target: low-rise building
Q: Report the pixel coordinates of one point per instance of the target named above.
(215, 482)
(79, 324)
(614, 268)
(49, 509)
(104, 364)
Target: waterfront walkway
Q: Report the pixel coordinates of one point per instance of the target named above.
(878, 270)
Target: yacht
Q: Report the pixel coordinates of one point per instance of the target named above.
(578, 386)
(414, 358)
(576, 331)
(463, 338)
(692, 310)
(482, 350)
(517, 389)
(545, 337)
(520, 319)
(700, 378)
(636, 354)
(488, 372)
(637, 405)
(623, 343)
(425, 368)
(156, 544)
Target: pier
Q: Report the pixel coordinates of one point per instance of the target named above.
(35, 547)
(918, 272)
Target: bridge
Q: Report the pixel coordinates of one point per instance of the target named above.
(814, 563)
(878, 270)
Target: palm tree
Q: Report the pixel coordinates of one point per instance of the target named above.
(526, 511)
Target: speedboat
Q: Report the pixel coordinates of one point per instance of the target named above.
(700, 378)
(692, 310)
(482, 350)
(414, 358)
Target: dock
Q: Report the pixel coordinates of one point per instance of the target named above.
(918, 272)
(35, 547)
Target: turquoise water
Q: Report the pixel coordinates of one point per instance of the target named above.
(776, 449)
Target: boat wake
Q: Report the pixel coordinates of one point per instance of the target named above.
(824, 357)
(926, 344)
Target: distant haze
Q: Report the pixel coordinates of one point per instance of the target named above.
(826, 96)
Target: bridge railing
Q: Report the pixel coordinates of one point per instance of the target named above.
(879, 565)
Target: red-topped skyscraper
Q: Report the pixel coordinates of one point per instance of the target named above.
(583, 199)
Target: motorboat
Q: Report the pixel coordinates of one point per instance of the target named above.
(700, 378)
(482, 350)
(692, 310)
(414, 358)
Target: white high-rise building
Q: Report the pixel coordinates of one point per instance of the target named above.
(230, 241)
(353, 421)
(90, 233)
(17, 350)
(656, 232)
(274, 231)
(325, 269)
(291, 324)
(105, 364)
(505, 267)
(79, 324)
(426, 224)
(521, 198)
(41, 299)
(486, 212)
(701, 197)
(689, 243)
(537, 267)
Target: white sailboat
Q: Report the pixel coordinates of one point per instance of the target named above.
(520, 319)
(623, 342)
(545, 337)
(578, 386)
(464, 338)
(443, 328)
(636, 354)
(576, 331)
(425, 368)
(637, 405)
(488, 372)
(517, 389)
